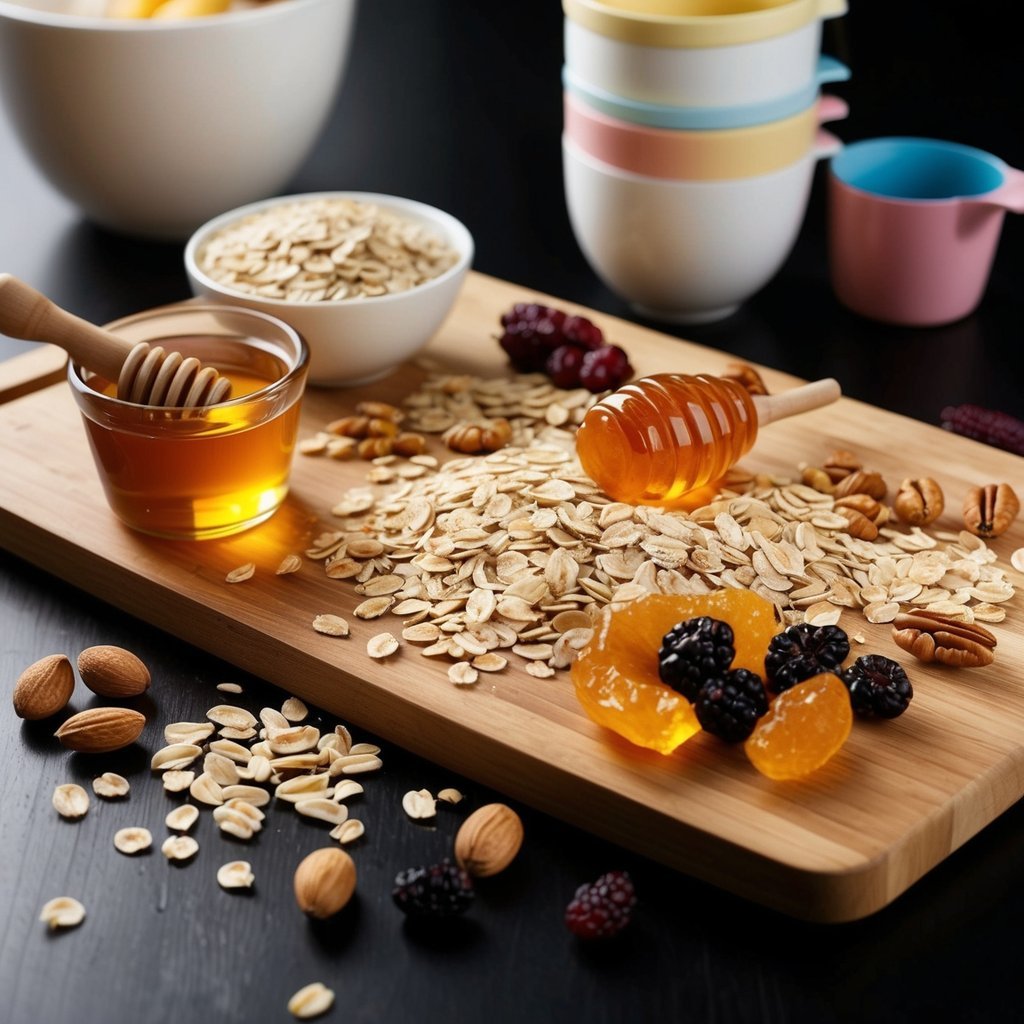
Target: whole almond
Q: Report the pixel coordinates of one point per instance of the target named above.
(488, 840)
(113, 672)
(44, 688)
(99, 730)
(324, 882)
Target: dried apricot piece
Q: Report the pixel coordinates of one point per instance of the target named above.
(805, 726)
(616, 674)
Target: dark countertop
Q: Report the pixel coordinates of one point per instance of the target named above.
(458, 105)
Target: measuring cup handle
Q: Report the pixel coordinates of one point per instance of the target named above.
(832, 108)
(825, 145)
(1009, 195)
(831, 8)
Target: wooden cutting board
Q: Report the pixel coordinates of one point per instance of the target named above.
(893, 803)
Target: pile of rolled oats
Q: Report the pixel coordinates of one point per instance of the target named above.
(319, 250)
(518, 550)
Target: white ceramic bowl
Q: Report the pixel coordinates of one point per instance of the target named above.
(636, 57)
(352, 341)
(152, 127)
(686, 251)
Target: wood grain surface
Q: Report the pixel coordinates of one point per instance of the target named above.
(896, 800)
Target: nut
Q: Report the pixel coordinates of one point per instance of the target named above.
(324, 882)
(375, 447)
(477, 436)
(745, 374)
(841, 464)
(866, 506)
(861, 482)
(858, 524)
(44, 688)
(488, 840)
(816, 477)
(919, 502)
(990, 510)
(408, 444)
(99, 730)
(349, 426)
(930, 636)
(380, 410)
(113, 672)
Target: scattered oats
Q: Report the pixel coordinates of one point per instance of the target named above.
(383, 645)
(179, 847)
(450, 796)
(182, 818)
(231, 717)
(230, 732)
(462, 673)
(174, 757)
(364, 748)
(241, 573)
(489, 662)
(858, 638)
(294, 710)
(302, 787)
(348, 831)
(229, 748)
(110, 785)
(176, 781)
(295, 740)
(419, 804)
(330, 625)
(881, 611)
(539, 670)
(221, 769)
(357, 764)
(1017, 559)
(345, 789)
(236, 874)
(311, 1001)
(822, 613)
(229, 688)
(289, 564)
(62, 912)
(322, 809)
(188, 732)
(132, 840)
(985, 612)
(70, 800)
(373, 608)
(207, 790)
(255, 795)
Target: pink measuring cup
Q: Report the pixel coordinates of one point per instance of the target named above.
(914, 225)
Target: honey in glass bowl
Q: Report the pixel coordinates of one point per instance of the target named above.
(192, 474)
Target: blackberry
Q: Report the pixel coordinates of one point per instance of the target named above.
(694, 651)
(729, 707)
(802, 651)
(602, 908)
(879, 687)
(440, 890)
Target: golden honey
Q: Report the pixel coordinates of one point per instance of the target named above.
(661, 437)
(200, 473)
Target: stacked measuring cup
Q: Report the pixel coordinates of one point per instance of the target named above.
(692, 128)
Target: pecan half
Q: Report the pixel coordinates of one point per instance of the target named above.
(841, 464)
(990, 510)
(929, 636)
(477, 436)
(858, 524)
(745, 374)
(862, 482)
(866, 506)
(919, 502)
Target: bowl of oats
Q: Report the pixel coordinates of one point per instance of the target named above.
(366, 279)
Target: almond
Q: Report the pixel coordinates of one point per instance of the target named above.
(99, 730)
(113, 672)
(324, 882)
(44, 688)
(488, 840)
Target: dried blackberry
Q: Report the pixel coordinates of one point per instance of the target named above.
(802, 651)
(694, 651)
(879, 687)
(996, 428)
(729, 707)
(440, 890)
(603, 908)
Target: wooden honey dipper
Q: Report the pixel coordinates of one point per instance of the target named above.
(145, 374)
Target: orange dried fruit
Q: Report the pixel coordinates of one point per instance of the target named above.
(616, 674)
(805, 726)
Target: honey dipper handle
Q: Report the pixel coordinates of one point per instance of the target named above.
(31, 316)
(801, 399)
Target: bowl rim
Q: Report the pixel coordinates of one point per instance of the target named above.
(100, 23)
(455, 232)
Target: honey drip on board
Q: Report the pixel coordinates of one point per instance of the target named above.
(655, 440)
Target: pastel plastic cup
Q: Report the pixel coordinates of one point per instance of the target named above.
(698, 155)
(686, 251)
(743, 115)
(914, 225)
(701, 55)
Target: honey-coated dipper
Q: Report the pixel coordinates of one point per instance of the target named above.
(145, 374)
